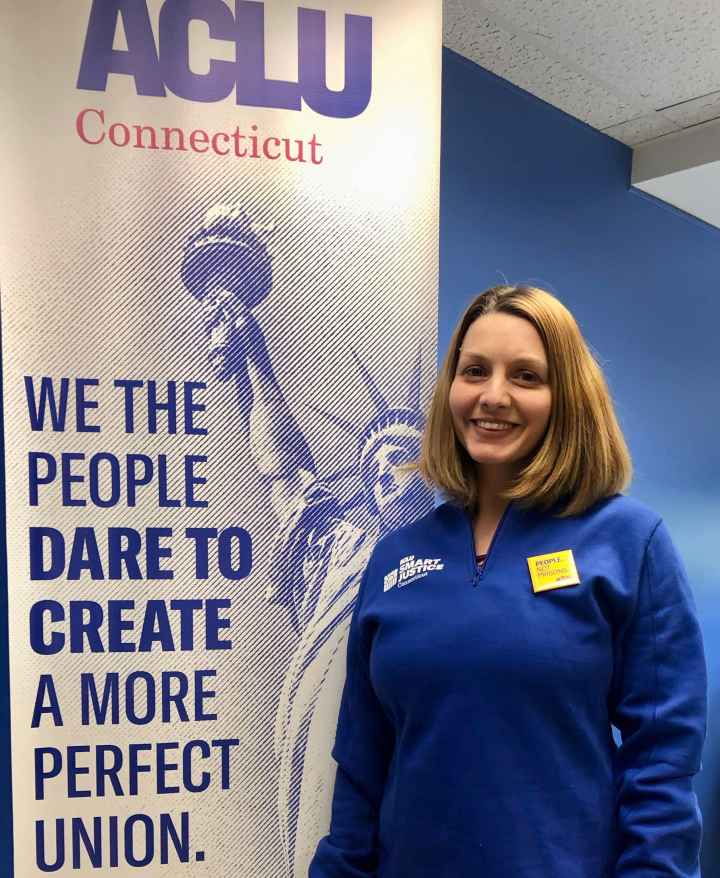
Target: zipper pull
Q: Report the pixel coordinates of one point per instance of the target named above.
(476, 577)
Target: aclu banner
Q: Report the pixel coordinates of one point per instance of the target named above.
(218, 265)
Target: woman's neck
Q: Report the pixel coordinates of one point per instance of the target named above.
(491, 505)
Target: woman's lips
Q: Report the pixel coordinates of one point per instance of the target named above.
(486, 432)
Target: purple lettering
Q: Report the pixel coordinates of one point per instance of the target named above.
(139, 61)
(174, 49)
(312, 55)
(167, 64)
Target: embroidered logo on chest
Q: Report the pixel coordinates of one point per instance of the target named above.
(410, 569)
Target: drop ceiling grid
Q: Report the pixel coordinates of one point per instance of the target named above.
(612, 64)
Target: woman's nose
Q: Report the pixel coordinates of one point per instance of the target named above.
(495, 392)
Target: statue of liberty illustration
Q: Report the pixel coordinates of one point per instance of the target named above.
(319, 554)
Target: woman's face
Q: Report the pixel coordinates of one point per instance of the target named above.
(501, 378)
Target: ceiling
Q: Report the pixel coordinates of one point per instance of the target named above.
(646, 72)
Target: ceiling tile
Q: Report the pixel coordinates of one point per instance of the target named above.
(695, 111)
(663, 51)
(643, 128)
(503, 52)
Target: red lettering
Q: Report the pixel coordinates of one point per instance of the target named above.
(202, 136)
(90, 128)
(313, 144)
(167, 132)
(80, 125)
(139, 130)
(214, 142)
(299, 156)
(237, 137)
(119, 126)
(253, 139)
(268, 140)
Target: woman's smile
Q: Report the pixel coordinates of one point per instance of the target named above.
(492, 428)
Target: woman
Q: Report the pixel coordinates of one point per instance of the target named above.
(496, 641)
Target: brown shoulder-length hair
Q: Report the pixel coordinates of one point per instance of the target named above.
(583, 456)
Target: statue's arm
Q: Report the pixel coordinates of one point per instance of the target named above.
(306, 509)
(277, 445)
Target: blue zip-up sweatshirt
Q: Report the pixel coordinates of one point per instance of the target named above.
(474, 738)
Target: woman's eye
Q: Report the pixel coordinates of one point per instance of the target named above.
(525, 375)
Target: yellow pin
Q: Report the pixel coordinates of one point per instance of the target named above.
(553, 570)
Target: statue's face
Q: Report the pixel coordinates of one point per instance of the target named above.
(219, 318)
(398, 494)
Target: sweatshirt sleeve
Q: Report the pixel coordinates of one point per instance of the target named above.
(659, 705)
(363, 748)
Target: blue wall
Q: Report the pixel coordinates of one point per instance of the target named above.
(530, 194)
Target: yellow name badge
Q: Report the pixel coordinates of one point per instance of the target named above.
(554, 570)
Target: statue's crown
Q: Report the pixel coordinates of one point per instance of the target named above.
(401, 425)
